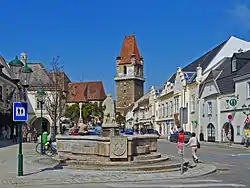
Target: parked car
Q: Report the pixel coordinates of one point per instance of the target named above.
(187, 136)
(174, 137)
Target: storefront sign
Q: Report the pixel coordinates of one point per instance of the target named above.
(233, 102)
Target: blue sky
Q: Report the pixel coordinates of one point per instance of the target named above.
(88, 34)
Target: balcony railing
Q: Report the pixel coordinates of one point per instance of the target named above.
(128, 77)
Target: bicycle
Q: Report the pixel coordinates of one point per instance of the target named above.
(49, 149)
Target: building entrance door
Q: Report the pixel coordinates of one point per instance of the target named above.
(210, 133)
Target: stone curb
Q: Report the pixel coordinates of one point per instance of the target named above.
(162, 176)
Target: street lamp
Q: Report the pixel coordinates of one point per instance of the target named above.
(21, 76)
(41, 97)
(246, 109)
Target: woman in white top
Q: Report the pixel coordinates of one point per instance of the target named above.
(193, 142)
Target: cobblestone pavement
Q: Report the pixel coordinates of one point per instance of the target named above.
(232, 163)
(49, 174)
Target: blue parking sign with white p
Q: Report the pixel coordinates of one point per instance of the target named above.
(20, 111)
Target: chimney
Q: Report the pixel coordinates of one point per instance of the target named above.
(23, 57)
(198, 74)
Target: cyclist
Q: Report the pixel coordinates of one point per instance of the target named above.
(45, 140)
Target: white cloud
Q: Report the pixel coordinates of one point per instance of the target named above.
(241, 14)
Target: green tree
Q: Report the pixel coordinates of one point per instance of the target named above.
(88, 109)
(73, 112)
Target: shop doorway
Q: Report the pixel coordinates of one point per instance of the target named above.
(210, 133)
(227, 131)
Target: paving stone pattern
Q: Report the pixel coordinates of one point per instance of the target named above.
(42, 174)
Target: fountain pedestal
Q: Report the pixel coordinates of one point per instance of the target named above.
(110, 130)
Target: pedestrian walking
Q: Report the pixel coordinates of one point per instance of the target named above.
(194, 144)
(25, 133)
(35, 135)
(229, 137)
(4, 132)
(29, 134)
(14, 137)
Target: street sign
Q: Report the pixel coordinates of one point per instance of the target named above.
(180, 145)
(181, 137)
(247, 120)
(230, 117)
(20, 111)
(233, 102)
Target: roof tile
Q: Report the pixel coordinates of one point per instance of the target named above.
(86, 91)
(129, 47)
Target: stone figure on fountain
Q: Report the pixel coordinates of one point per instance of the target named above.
(109, 112)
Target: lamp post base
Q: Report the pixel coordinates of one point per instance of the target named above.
(20, 164)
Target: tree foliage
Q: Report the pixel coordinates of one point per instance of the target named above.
(88, 109)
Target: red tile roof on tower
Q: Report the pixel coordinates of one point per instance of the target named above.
(86, 91)
(129, 47)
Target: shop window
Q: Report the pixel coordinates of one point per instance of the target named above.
(193, 103)
(248, 90)
(238, 131)
(171, 108)
(203, 110)
(209, 112)
(38, 104)
(167, 110)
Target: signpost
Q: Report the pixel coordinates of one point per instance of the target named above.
(20, 114)
(20, 111)
(180, 144)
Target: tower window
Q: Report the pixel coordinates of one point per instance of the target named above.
(124, 91)
(124, 69)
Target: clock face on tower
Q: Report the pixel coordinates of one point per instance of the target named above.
(130, 71)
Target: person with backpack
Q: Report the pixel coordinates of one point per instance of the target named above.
(194, 144)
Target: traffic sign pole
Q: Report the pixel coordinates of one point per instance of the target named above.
(20, 115)
(20, 155)
(182, 139)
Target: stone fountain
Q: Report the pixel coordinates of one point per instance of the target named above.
(112, 149)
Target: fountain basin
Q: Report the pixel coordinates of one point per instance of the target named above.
(114, 148)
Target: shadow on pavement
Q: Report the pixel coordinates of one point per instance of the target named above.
(56, 167)
(6, 143)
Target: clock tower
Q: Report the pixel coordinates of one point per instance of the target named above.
(129, 75)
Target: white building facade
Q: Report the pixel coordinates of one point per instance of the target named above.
(223, 96)
(142, 113)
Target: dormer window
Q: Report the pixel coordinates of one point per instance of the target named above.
(234, 65)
